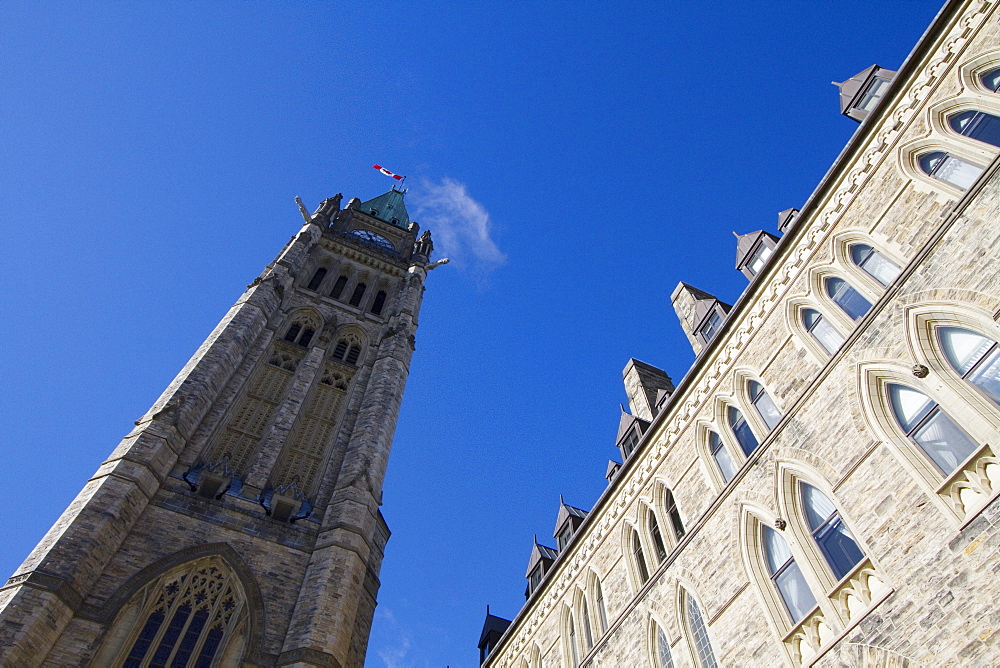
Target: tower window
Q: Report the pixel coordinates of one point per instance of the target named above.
(977, 125)
(316, 279)
(306, 337)
(379, 302)
(340, 349)
(347, 351)
(950, 169)
(296, 334)
(353, 354)
(338, 287)
(293, 332)
(358, 294)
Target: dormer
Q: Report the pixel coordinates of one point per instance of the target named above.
(753, 250)
(568, 521)
(493, 629)
(645, 385)
(539, 563)
(630, 431)
(860, 94)
(701, 314)
(786, 219)
(613, 469)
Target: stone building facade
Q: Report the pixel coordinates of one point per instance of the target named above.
(238, 523)
(821, 486)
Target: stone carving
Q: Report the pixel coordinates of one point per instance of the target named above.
(303, 210)
(328, 208)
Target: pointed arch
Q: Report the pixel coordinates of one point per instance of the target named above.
(694, 623)
(820, 334)
(658, 643)
(599, 605)
(635, 552)
(301, 326)
(869, 261)
(719, 461)
(199, 602)
(351, 343)
(957, 167)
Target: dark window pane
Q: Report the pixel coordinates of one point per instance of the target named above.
(353, 354)
(340, 349)
(170, 636)
(847, 298)
(741, 430)
(316, 279)
(654, 532)
(338, 287)
(379, 302)
(190, 639)
(640, 559)
(991, 79)
(209, 648)
(674, 515)
(838, 546)
(977, 125)
(141, 646)
(358, 294)
(293, 332)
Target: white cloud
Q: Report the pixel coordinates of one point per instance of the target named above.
(460, 226)
(393, 654)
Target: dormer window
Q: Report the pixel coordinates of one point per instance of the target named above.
(872, 94)
(758, 259)
(630, 442)
(753, 251)
(860, 94)
(562, 540)
(711, 326)
(535, 578)
(373, 212)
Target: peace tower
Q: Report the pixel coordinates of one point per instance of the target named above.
(238, 523)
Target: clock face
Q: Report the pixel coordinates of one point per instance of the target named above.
(374, 239)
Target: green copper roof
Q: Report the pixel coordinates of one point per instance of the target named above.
(389, 208)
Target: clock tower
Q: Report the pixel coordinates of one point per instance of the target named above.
(238, 522)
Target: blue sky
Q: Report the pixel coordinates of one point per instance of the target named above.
(577, 160)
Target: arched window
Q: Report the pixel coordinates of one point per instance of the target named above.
(950, 169)
(673, 515)
(654, 533)
(338, 287)
(829, 531)
(574, 652)
(316, 279)
(358, 294)
(190, 615)
(588, 635)
(722, 458)
(874, 263)
(787, 576)
(602, 611)
(299, 333)
(379, 302)
(662, 653)
(846, 297)
(699, 634)
(975, 358)
(640, 558)
(991, 79)
(977, 125)
(821, 330)
(741, 430)
(926, 424)
(347, 350)
(762, 402)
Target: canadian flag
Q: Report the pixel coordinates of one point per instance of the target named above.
(388, 173)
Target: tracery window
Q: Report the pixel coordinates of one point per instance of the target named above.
(946, 167)
(762, 402)
(300, 334)
(663, 657)
(699, 634)
(721, 455)
(974, 357)
(846, 297)
(874, 264)
(348, 349)
(787, 576)
(832, 536)
(977, 125)
(188, 617)
(925, 423)
(821, 330)
(741, 430)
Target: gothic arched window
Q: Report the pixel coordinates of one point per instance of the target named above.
(602, 611)
(379, 302)
(722, 457)
(640, 558)
(358, 294)
(874, 263)
(821, 330)
(654, 533)
(188, 617)
(832, 536)
(846, 297)
(300, 334)
(975, 358)
(977, 125)
(663, 657)
(588, 635)
(926, 424)
(316, 279)
(762, 402)
(787, 576)
(699, 633)
(945, 167)
(673, 515)
(338, 287)
(991, 79)
(348, 349)
(741, 430)
(574, 651)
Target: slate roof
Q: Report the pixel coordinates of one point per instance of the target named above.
(565, 512)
